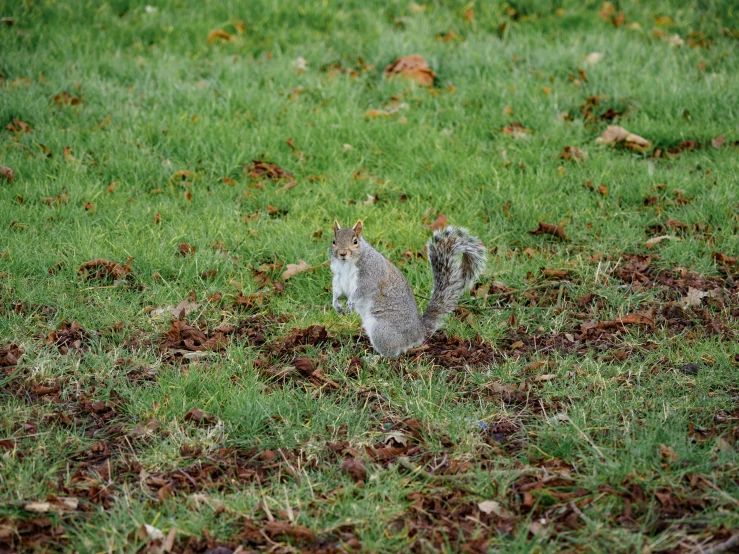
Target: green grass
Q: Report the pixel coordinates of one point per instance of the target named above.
(156, 97)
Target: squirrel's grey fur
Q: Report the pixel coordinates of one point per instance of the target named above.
(381, 295)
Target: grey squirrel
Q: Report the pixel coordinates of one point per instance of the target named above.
(381, 295)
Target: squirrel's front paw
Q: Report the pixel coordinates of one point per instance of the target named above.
(338, 308)
(349, 307)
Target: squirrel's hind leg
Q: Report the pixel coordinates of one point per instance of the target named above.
(388, 342)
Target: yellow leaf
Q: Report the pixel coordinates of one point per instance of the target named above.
(294, 269)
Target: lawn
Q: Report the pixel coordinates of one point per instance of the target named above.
(174, 378)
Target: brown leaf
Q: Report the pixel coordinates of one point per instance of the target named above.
(294, 269)
(549, 229)
(218, 34)
(615, 134)
(278, 528)
(558, 273)
(7, 173)
(18, 126)
(675, 224)
(573, 153)
(607, 11)
(10, 355)
(668, 454)
(355, 469)
(288, 186)
(516, 130)
(104, 268)
(439, 224)
(65, 98)
(718, 142)
(724, 259)
(259, 168)
(411, 67)
(631, 319)
(164, 493)
(603, 190)
(180, 175)
(199, 417)
(183, 249)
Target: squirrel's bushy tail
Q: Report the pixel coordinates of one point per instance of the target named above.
(457, 259)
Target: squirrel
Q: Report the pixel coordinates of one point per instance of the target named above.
(382, 296)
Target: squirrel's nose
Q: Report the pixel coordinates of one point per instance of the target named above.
(343, 253)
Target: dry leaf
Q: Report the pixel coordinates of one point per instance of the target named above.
(694, 297)
(101, 268)
(545, 377)
(718, 142)
(439, 224)
(631, 319)
(411, 67)
(355, 468)
(7, 173)
(722, 258)
(300, 65)
(218, 34)
(294, 269)
(288, 186)
(549, 229)
(607, 11)
(183, 249)
(668, 454)
(37, 507)
(615, 134)
(573, 153)
(489, 507)
(149, 533)
(593, 58)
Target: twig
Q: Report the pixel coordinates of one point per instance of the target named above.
(720, 547)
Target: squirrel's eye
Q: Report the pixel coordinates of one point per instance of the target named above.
(356, 241)
(334, 242)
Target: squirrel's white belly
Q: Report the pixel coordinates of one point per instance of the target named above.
(346, 275)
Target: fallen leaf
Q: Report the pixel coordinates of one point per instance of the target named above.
(288, 186)
(693, 297)
(199, 417)
(676, 41)
(545, 377)
(607, 11)
(10, 355)
(489, 507)
(183, 249)
(218, 34)
(603, 190)
(615, 134)
(516, 130)
(411, 67)
(593, 58)
(300, 64)
(259, 168)
(294, 269)
(37, 507)
(65, 98)
(17, 126)
(104, 268)
(631, 319)
(651, 243)
(573, 153)
(149, 533)
(549, 229)
(668, 454)
(7, 173)
(439, 224)
(298, 532)
(718, 142)
(724, 259)
(355, 469)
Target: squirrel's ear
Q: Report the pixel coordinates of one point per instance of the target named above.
(336, 225)
(358, 228)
